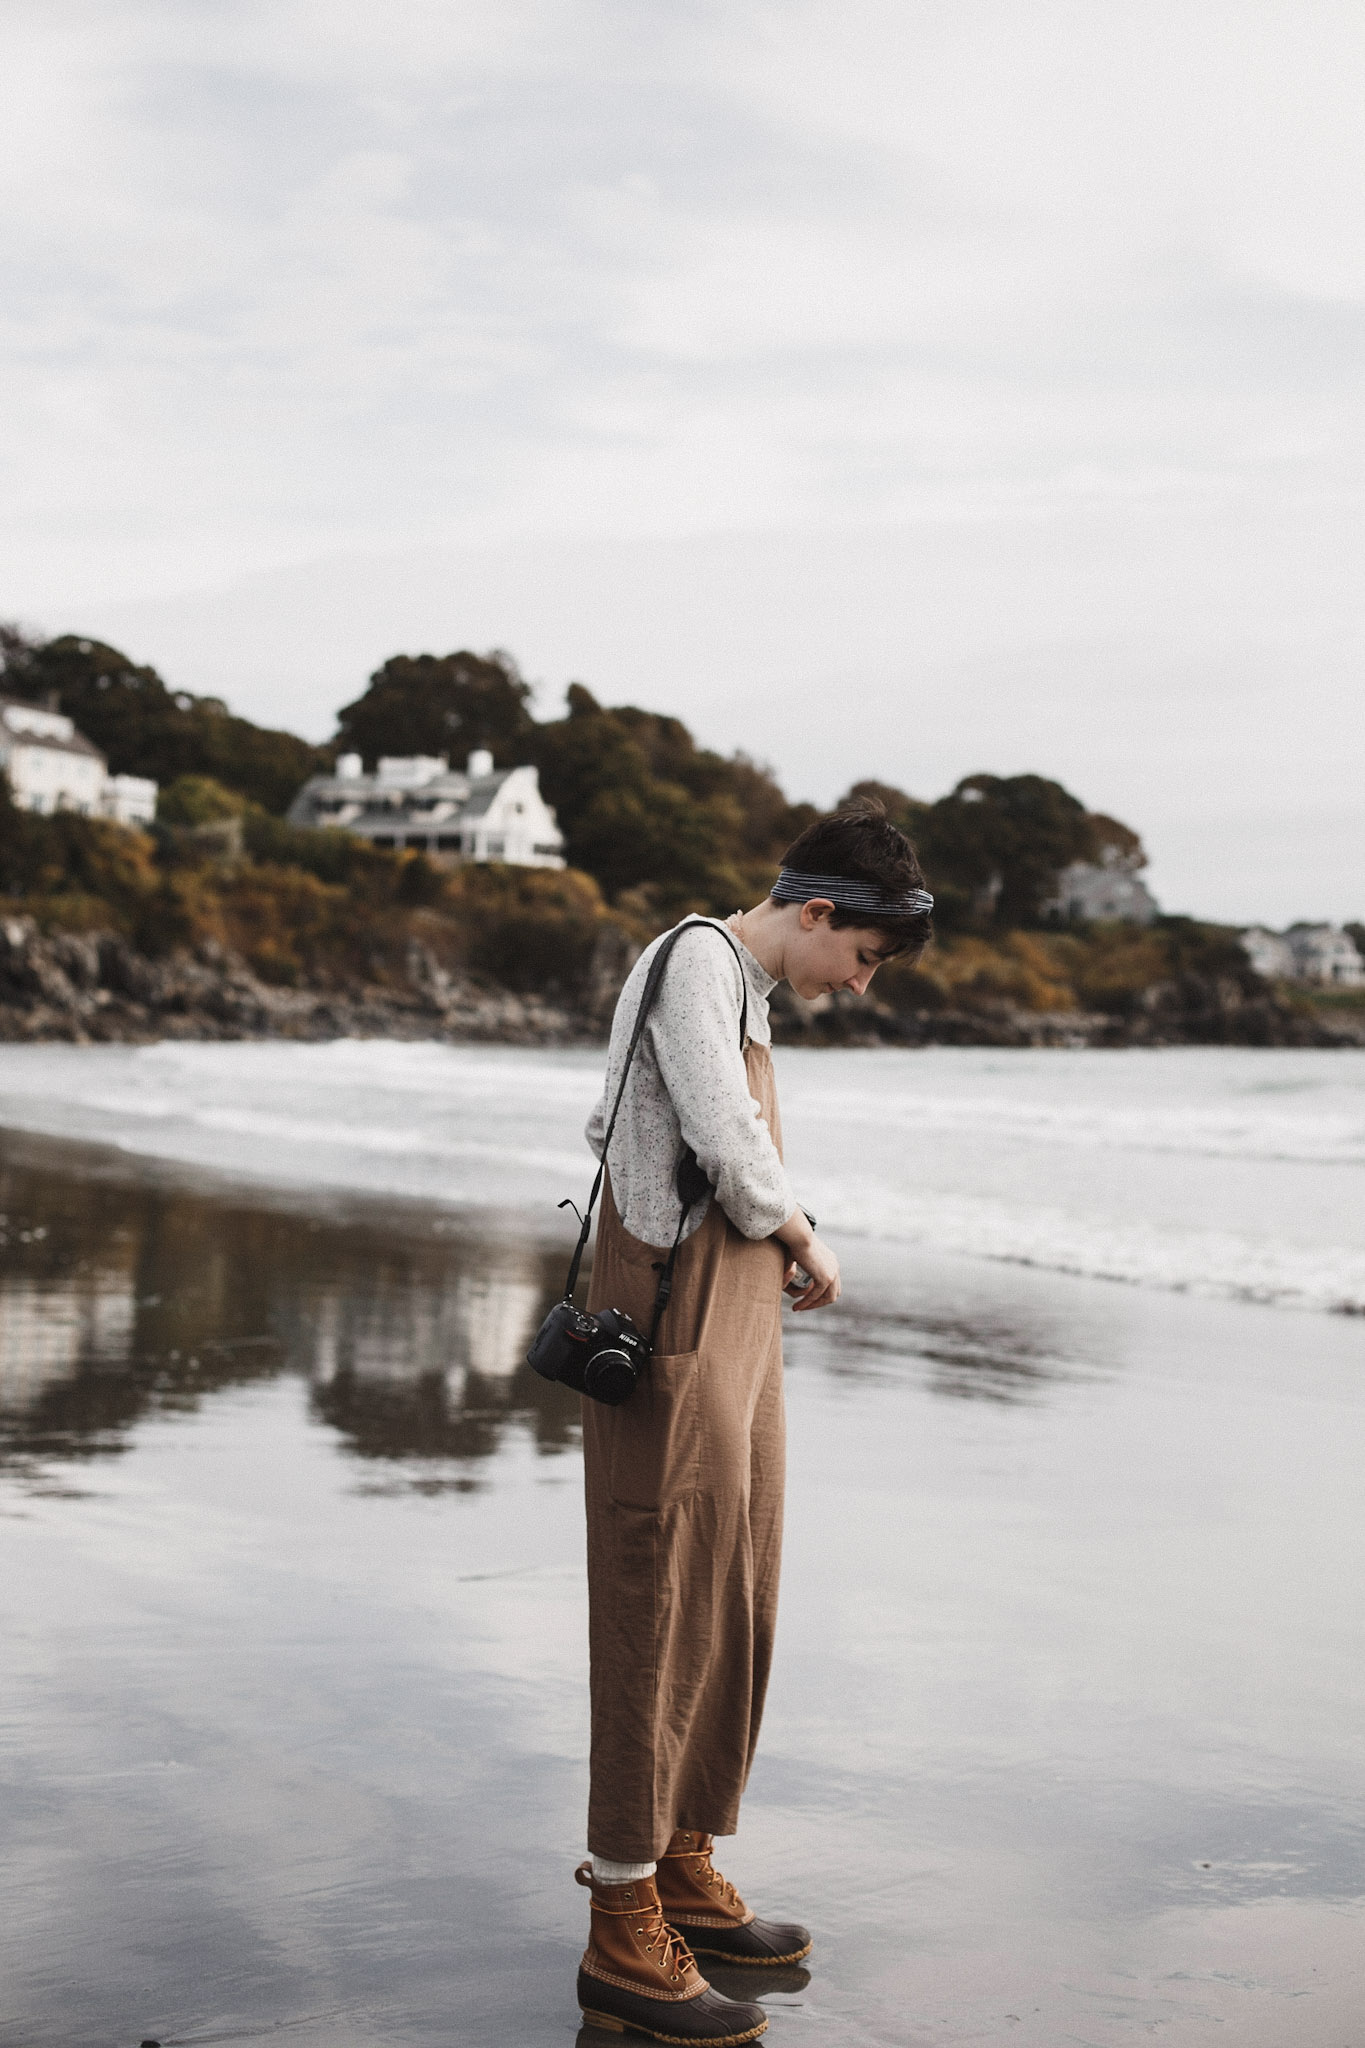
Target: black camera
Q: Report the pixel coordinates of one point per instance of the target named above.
(601, 1356)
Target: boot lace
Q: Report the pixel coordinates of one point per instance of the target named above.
(706, 1870)
(674, 1956)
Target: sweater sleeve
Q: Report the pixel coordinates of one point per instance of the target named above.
(694, 1036)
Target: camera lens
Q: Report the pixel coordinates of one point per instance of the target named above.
(610, 1375)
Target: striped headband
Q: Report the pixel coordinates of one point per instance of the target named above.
(792, 886)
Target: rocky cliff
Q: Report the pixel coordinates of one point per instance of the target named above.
(97, 987)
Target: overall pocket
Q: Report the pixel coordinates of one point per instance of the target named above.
(656, 1435)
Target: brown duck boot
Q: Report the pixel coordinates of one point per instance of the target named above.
(636, 1972)
(706, 1909)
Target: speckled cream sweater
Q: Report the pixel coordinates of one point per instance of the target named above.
(688, 1085)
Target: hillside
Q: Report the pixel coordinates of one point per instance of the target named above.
(223, 920)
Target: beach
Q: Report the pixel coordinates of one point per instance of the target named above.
(1063, 1742)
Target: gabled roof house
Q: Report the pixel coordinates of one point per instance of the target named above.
(419, 802)
(52, 767)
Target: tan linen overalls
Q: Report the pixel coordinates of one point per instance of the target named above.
(684, 1499)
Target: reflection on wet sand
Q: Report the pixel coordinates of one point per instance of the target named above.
(121, 1298)
(124, 1295)
(1063, 1743)
(976, 1356)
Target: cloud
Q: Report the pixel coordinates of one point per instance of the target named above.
(1073, 296)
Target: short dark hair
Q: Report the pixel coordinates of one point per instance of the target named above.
(861, 842)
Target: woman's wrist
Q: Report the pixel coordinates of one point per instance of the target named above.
(796, 1233)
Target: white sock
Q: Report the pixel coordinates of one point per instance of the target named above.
(620, 1873)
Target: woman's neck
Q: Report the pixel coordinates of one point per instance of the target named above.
(764, 931)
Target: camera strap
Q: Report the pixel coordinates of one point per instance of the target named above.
(692, 1181)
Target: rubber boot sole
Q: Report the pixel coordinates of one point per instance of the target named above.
(696, 1941)
(614, 2026)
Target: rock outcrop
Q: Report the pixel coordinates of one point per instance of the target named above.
(1192, 1010)
(97, 987)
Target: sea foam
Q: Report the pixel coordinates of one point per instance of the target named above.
(1216, 1171)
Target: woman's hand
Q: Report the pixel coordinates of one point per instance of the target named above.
(804, 1249)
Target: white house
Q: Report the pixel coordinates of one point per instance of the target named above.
(128, 799)
(1107, 890)
(52, 767)
(419, 801)
(1322, 954)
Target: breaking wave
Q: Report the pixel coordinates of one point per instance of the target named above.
(1228, 1172)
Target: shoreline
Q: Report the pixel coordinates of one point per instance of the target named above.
(1151, 1173)
(99, 989)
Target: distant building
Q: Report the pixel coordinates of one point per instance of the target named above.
(1270, 953)
(52, 767)
(1109, 890)
(419, 801)
(128, 799)
(1322, 954)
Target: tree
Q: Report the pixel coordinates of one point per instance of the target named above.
(642, 807)
(146, 729)
(195, 800)
(994, 847)
(441, 704)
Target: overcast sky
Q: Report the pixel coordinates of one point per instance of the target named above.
(893, 389)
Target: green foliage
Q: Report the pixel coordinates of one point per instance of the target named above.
(655, 826)
(1193, 947)
(198, 800)
(992, 848)
(999, 842)
(644, 810)
(440, 704)
(334, 857)
(145, 729)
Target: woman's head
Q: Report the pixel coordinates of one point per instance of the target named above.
(874, 879)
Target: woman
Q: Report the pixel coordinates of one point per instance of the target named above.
(685, 1478)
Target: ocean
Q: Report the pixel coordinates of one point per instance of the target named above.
(1063, 1741)
(1232, 1173)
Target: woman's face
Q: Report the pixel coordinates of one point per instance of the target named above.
(818, 959)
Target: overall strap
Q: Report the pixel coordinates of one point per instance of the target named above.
(692, 1182)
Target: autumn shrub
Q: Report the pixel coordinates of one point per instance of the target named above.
(1110, 965)
(59, 869)
(973, 973)
(528, 928)
(288, 926)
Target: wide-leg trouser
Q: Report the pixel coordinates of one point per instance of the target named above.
(684, 1502)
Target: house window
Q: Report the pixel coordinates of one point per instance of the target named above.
(448, 842)
(417, 839)
(383, 840)
(495, 849)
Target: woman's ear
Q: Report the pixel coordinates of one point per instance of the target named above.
(815, 912)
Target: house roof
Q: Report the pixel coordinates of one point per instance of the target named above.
(387, 807)
(482, 793)
(19, 735)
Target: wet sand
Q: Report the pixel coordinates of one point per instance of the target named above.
(1064, 1742)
